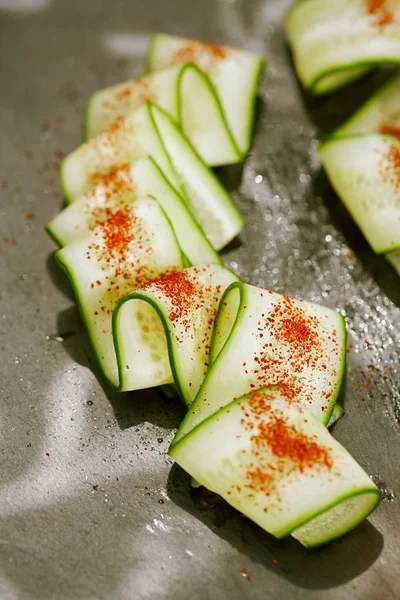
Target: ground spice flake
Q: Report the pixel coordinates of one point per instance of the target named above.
(381, 11)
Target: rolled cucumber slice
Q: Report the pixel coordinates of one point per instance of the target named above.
(334, 42)
(149, 131)
(234, 74)
(364, 171)
(183, 305)
(279, 466)
(133, 246)
(122, 187)
(261, 338)
(184, 92)
(380, 114)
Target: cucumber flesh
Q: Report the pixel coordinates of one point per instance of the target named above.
(363, 169)
(381, 113)
(106, 105)
(123, 187)
(335, 42)
(235, 75)
(261, 338)
(151, 132)
(113, 261)
(279, 466)
(185, 306)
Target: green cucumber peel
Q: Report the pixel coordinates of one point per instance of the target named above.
(316, 503)
(139, 179)
(315, 373)
(335, 42)
(150, 131)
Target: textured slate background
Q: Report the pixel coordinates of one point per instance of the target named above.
(68, 527)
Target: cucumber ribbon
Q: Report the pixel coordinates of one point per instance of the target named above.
(362, 160)
(262, 447)
(335, 42)
(210, 90)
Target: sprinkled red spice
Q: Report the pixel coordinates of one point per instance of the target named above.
(291, 344)
(274, 561)
(47, 453)
(390, 166)
(30, 216)
(390, 129)
(199, 53)
(135, 93)
(123, 264)
(381, 10)
(106, 148)
(294, 451)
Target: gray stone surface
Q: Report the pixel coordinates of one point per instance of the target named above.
(91, 507)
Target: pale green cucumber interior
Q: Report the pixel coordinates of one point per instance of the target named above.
(314, 367)
(202, 118)
(362, 169)
(208, 199)
(253, 475)
(337, 414)
(100, 278)
(136, 180)
(188, 327)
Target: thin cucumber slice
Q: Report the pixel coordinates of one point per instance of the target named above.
(335, 42)
(123, 187)
(133, 246)
(337, 414)
(262, 338)
(364, 171)
(185, 305)
(149, 131)
(235, 75)
(380, 114)
(125, 141)
(185, 93)
(280, 467)
(208, 199)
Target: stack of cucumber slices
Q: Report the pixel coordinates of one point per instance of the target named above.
(259, 372)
